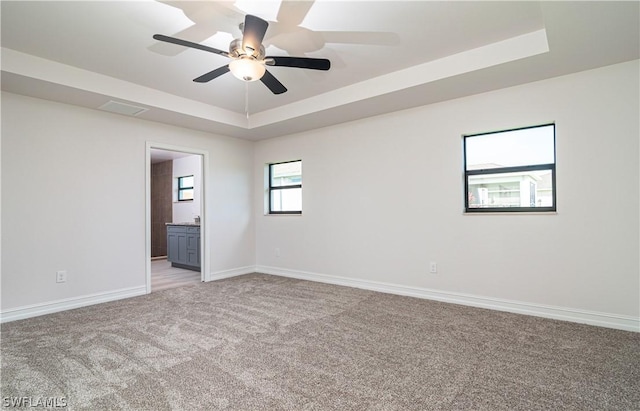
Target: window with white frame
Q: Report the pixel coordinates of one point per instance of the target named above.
(512, 170)
(285, 187)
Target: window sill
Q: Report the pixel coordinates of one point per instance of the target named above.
(282, 214)
(511, 213)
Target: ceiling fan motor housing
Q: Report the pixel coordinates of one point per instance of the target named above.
(236, 50)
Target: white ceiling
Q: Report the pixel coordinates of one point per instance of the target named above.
(159, 155)
(385, 55)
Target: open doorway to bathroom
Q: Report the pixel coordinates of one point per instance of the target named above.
(175, 212)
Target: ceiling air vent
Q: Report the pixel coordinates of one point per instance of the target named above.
(122, 108)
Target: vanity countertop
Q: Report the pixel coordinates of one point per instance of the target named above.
(189, 224)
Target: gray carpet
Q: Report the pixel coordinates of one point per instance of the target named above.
(260, 342)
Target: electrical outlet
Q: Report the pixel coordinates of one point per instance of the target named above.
(433, 267)
(61, 276)
(277, 253)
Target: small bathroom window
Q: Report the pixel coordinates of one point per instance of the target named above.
(185, 188)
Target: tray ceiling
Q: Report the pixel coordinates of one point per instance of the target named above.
(385, 56)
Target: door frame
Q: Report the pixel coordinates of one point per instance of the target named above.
(205, 252)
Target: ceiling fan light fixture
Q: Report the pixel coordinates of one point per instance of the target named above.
(247, 69)
(248, 58)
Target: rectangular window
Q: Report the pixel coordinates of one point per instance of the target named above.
(185, 188)
(285, 188)
(512, 170)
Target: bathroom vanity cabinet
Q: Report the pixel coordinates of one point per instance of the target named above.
(183, 245)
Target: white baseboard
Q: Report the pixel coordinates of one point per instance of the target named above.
(35, 310)
(616, 321)
(234, 272)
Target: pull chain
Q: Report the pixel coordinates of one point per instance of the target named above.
(246, 99)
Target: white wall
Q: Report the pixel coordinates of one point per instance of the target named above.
(186, 211)
(382, 197)
(73, 185)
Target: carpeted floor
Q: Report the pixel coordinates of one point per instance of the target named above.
(260, 342)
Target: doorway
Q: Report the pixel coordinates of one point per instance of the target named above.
(175, 217)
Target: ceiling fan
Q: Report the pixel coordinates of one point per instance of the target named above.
(248, 57)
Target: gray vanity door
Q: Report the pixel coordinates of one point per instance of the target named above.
(177, 244)
(193, 246)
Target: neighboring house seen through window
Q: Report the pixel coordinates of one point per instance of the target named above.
(285, 188)
(512, 170)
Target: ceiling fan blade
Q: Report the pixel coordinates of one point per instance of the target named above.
(292, 13)
(185, 43)
(212, 74)
(253, 33)
(272, 83)
(361, 37)
(299, 62)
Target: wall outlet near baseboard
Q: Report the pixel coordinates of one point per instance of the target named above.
(277, 253)
(61, 276)
(433, 267)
